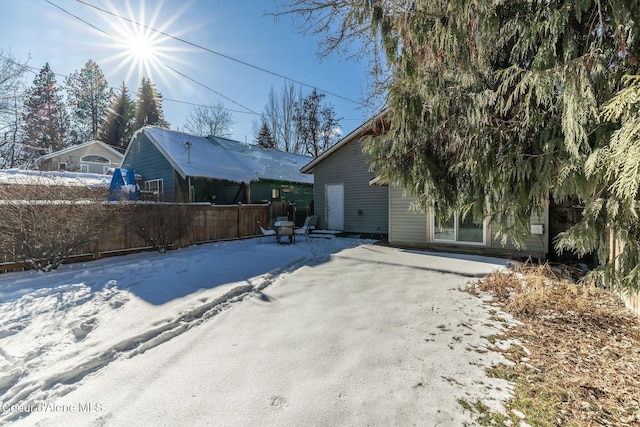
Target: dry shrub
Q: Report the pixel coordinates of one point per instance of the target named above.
(161, 225)
(536, 290)
(42, 226)
(503, 285)
(583, 349)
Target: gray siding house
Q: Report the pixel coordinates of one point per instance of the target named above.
(344, 199)
(348, 197)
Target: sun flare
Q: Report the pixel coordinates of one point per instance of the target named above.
(140, 48)
(138, 39)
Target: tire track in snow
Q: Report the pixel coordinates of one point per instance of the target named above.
(32, 392)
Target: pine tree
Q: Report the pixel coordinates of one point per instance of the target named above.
(148, 106)
(88, 96)
(117, 128)
(265, 137)
(45, 117)
(496, 106)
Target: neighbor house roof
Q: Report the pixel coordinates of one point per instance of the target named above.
(220, 158)
(72, 148)
(370, 127)
(59, 178)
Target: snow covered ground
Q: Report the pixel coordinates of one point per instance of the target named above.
(324, 332)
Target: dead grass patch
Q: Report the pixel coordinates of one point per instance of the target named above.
(582, 364)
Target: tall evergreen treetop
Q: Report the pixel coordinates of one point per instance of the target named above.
(265, 137)
(45, 117)
(88, 96)
(117, 127)
(148, 106)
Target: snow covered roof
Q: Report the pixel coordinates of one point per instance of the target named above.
(220, 158)
(77, 147)
(269, 163)
(33, 177)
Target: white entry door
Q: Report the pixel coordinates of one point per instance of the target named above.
(335, 207)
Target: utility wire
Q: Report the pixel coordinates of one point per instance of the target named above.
(207, 87)
(36, 70)
(171, 36)
(164, 65)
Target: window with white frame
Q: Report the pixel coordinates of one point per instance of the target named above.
(93, 158)
(84, 168)
(154, 186)
(458, 229)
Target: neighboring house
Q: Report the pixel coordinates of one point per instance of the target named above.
(178, 165)
(349, 197)
(89, 157)
(344, 198)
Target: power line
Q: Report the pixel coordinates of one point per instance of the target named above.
(36, 70)
(207, 87)
(206, 106)
(160, 62)
(171, 36)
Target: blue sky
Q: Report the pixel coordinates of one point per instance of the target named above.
(39, 31)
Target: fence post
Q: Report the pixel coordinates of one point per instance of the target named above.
(238, 221)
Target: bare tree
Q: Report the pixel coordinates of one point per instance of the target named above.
(213, 120)
(43, 225)
(316, 124)
(161, 225)
(279, 115)
(346, 28)
(11, 92)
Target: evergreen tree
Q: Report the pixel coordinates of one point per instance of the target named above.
(148, 106)
(117, 128)
(265, 137)
(316, 124)
(45, 118)
(88, 96)
(495, 106)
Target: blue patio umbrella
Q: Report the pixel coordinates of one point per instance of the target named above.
(115, 188)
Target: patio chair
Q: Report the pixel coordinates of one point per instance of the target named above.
(266, 232)
(286, 229)
(308, 227)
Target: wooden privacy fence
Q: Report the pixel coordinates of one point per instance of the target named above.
(205, 223)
